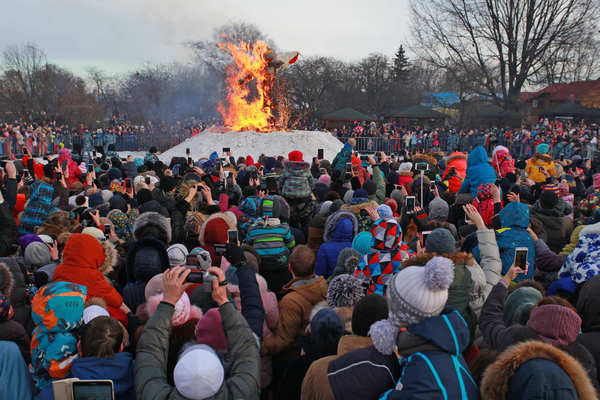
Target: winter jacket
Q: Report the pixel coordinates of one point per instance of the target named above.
(74, 171)
(119, 369)
(459, 162)
(379, 180)
(479, 171)
(15, 380)
(588, 308)
(515, 220)
(387, 253)
(547, 263)
(8, 230)
(19, 297)
(296, 181)
(404, 178)
(535, 163)
(499, 337)
(502, 162)
(315, 385)
(343, 157)
(490, 266)
(430, 364)
(150, 158)
(534, 370)
(243, 381)
(557, 228)
(38, 208)
(340, 228)
(300, 295)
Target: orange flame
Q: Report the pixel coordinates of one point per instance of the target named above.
(250, 62)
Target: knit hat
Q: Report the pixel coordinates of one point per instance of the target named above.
(198, 373)
(114, 173)
(326, 329)
(396, 195)
(37, 254)
(405, 167)
(359, 196)
(367, 311)
(326, 179)
(414, 294)
(371, 187)
(363, 242)
(270, 206)
(548, 200)
(438, 210)
(440, 241)
(47, 239)
(203, 257)
(555, 324)
(177, 254)
(154, 287)
(348, 196)
(93, 232)
(518, 305)
(295, 155)
(26, 240)
(550, 187)
(344, 291)
(184, 311)
(542, 148)
(143, 196)
(385, 212)
(347, 261)
(324, 209)
(93, 311)
(117, 202)
(209, 330)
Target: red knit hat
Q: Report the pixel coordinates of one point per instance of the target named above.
(295, 155)
(216, 231)
(249, 160)
(83, 251)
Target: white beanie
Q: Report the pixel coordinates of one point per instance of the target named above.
(405, 167)
(93, 232)
(414, 295)
(93, 311)
(177, 254)
(198, 373)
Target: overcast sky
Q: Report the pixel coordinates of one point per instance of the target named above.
(119, 35)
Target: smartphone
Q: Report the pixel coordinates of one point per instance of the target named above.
(58, 176)
(90, 168)
(97, 390)
(261, 169)
(562, 157)
(147, 180)
(322, 171)
(226, 150)
(220, 249)
(348, 167)
(25, 173)
(187, 151)
(410, 203)
(127, 183)
(424, 236)
(106, 230)
(521, 258)
(232, 236)
(432, 186)
(422, 166)
(320, 154)
(64, 164)
(30, 164)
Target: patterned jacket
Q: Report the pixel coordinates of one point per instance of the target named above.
(296, 181)
(38, 208)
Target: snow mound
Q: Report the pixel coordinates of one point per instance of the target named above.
(255, 144)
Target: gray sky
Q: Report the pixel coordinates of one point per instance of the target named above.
(120, 35)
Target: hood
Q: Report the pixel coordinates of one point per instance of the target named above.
(515, 215)
(448, 331)
(340, 227)
(355, 209)
(85, 251)
(588, 305)
(477, 156)
(456, 156)
(497, 379)
(148, 220)
(299, 166)
(541, 159)
(386, 235)
(118, 369)
(313, 290)
(146, 257)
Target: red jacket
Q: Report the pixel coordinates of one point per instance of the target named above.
(457, 160)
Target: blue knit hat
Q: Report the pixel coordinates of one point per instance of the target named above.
(362, 243)
(385, 211)
(360, 196)
(542, 148)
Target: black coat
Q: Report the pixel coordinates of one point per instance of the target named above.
(588, 307)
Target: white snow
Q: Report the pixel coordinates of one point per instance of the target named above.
(255, 144)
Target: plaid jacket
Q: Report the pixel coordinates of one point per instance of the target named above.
(296, 181)
(38, 208)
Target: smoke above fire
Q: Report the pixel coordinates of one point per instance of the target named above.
(250, 78)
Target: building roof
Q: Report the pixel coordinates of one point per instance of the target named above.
(566, 91)
(418, 112)
(440, 99)
(348, 114)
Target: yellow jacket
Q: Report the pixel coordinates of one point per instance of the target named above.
(535, 163)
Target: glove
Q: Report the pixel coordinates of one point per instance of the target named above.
(235, 255)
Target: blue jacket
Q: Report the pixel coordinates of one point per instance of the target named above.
(38, 208)
(343, 157)
(339, 230)
(479, 171)
(118, 369)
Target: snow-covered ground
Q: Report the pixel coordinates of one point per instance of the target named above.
(255, 144)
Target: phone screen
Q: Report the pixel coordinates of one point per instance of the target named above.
(320, 154)
(521, 258)
(233, 236)
(195, 277)
(106, 230)
(64, 164)
(424, 235)
(187, 150)
(410, 203)
(97, 390)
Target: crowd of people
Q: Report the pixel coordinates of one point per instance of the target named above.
(413, 275)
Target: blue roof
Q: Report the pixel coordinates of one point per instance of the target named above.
(443, 99)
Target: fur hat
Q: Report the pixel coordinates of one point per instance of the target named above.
(198, 373)
(414, 294)
(344, 291)
(347, 261)
(152, 224)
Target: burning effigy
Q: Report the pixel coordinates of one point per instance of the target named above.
(250, 78)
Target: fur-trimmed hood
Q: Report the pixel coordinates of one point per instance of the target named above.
(544, 158)
(152, 224)
(229, 218)
(355, 209)
(296, 165)
(146, 257)
(460, 258)
(456, 156)
(333, 232)
(495, 383)
(6, 281)
(425, 158)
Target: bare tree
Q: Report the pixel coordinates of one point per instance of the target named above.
(508, 40)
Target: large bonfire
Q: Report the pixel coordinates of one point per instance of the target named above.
(254, 66)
